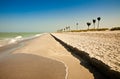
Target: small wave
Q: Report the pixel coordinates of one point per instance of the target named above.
(37, 35)
(18, 37)
(15, 40)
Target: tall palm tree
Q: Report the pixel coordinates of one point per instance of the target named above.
(69, 28)
(88, 24)
(99, 18)
(66, 28)
(61, 30)
(77, 26)
(94, 21)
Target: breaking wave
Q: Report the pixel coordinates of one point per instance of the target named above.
(17, 39)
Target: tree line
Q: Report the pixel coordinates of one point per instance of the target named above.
(68, 28)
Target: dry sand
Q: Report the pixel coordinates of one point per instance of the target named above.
(104, 45)
(42, 58)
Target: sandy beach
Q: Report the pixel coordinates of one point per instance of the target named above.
(103, 45)
(101, 48)
(42, 58)
(59, 39)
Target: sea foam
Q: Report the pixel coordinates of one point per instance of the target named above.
(15, 40)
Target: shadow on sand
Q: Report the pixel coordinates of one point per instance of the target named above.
(97, 67)
(29, 66)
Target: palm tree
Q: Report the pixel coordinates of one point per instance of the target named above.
(98, 21)
(88, 23)
(77, 26)
(69, 28)
(94, 21)
(66, 28)
(61, 30)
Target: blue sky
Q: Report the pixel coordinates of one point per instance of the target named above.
(50, 15)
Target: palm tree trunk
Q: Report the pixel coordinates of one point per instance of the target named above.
(77, 27)
(94, 25)
(88, 27)
(98, 25)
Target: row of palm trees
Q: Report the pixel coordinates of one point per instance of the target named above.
(94, 21)
(64, 29)
(88, 24)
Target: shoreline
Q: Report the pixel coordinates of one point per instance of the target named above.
(14, 49)
(46, 46)
(19, 43)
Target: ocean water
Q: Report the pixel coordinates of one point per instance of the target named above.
(14, 37)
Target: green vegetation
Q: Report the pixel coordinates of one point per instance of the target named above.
(100, 29)
(115, 28)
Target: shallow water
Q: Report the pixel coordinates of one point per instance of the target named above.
(15, 34)
(12, 37)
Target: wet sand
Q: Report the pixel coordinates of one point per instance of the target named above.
(22, 65)
(42, 58)
(28, 66)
